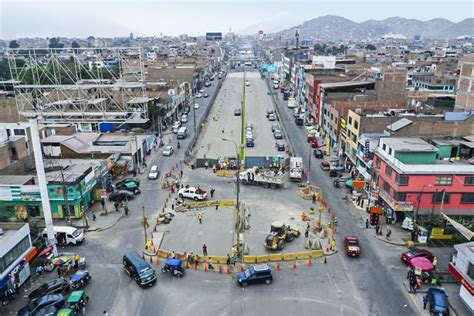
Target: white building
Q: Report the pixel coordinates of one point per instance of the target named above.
(462, 268)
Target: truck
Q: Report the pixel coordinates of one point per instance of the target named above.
(265, 177)
(196, 194)
(296, 168)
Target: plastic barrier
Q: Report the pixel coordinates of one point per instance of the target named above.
(289, 256)
(225, 173)
(302, 255)
(222, 260)
(316, 254)
(275, 257)
(263, 258)
(250, 259)
(215, 259)
(163, 253)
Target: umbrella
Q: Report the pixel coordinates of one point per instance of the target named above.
(60, 261)
(422, 263)
(45, 251)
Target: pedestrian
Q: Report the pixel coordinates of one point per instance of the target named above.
(212, 192)
(377, 227)
(181, 173)
(435, 262)
(217, 206)
(199, 216)
(93, 216)
(116, 205)
(306, 232)
(76, 258)
(228, 260)
(59, 272)
(222, 131)
(204, 250)
(314, 198)
(425, 301)
(126, 210)
(206, 165)
(211, 267)
(367, 223)
(173, 255)
(102, 202)
(172, 206)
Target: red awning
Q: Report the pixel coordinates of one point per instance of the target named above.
(376, 210)
(466, 283)
(31, 254)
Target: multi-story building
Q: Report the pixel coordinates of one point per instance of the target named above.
(15, 148)
(465, 86)
(462, 268)
(413, 175)
(431, 83)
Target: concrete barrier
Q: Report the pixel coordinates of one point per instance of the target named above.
(250, 259)
(275, 257)
(263, 258)
(316, 254)
(302, 255)
(222, 260)
(289, 256)
(225, 173)
(163, 253)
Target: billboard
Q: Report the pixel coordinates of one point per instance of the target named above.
(214, 36)
(324, 62)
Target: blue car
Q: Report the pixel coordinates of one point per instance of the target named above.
(256, 274)
(438, 302)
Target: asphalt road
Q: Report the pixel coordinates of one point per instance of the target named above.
(378, 277)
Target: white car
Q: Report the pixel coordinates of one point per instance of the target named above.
(247, 83)
(168, 151)
(196, 106)
(192, 193)
(275, 86)
(175, 127)
(198, 95)
(154, 173)
(184, 118)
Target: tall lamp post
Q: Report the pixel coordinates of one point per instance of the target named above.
(419, 199)
(238, 191)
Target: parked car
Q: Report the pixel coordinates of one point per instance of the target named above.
(130, 187)
(407, 256)
(250, 142)
(193, 193)
(275, 86)
(134, 180)
(296, 113)
(318, 153)
(196, 106)
(56, 300)
(281, 147)
(299, 121)
(270, 111)
(275, 126)
(168, 151)
(249, 125)
(206, 95)
(186, 110)
(438, 302)
(257, 274)
(199, 95)
(325, 165)
(184, 118)
(55, 286)
(271, 117)
(351, 245)
(121, 195)
(277, 134)
(154, 172)
(237, 112)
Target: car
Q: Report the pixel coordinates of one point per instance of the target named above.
(296, 113)
(56, 300)
(134, 180)
(247, 83)
(168, 151)
(249, 142)
(281, 147)
(275, 86)
(249, 125)
(248, 130)
(438, 302)
(249, 135)
(276, 82)
(318, 153)
(121, 195)
(186, 110)
(351, 245)
(196, 106)
(237, 112)
(275, 126)
(207, 84)
(325, 165)
(206, 95)
(199, 95)
(278, 134)
(130, 187)
(47, 311)
(271, 117)
(257, 274)
(299, 121)
(270, 111)
(154, 172)
(407, 256)
(184, 118)
(201, 91)
(196, 194)
(56, 286)
(314, 143)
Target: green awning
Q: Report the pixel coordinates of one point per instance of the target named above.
(349, 183)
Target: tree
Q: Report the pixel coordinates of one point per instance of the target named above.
(54, 43)
(370, 47)
(75, 45)
(14, 44)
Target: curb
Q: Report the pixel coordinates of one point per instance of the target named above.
(100, 229)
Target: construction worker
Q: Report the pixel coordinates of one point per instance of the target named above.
(333, 245)
(311, 210)
(435, 262)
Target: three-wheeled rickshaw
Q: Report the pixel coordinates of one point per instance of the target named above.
(74, 303)
(80, 279)
(175, 266)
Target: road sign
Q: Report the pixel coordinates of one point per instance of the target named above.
(272, 93)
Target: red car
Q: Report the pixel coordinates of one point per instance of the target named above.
(314, 143)
(407, 256)
(351, 244)
(325, 165)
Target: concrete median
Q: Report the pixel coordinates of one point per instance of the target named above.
(261, 259)
(250, 259)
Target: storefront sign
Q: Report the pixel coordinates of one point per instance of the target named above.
(399, 206)
(367, 150)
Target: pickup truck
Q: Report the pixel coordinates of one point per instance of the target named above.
(196, 194)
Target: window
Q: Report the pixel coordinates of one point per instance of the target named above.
(356, 124)
(400, 196)
(467, 198)
(378, 162)
(350, 120)
(402, 180)
(19, 132)
(384, 147)
(443, 180)
(469, 181)
(437, 196)
(14, 253)
(386, 187)
(388, 171)
(390, 151)
(470, 270)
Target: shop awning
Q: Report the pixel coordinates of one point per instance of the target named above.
(349, 183)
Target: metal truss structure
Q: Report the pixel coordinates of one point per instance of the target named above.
(80, 85)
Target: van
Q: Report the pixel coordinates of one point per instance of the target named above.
(66, 235)
(182, 133)
(138, 269)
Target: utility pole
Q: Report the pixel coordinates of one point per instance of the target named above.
(43, 185)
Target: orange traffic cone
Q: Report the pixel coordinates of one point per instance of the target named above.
(220, 269)
(205, 267)
(325, 260)
(310, 263)
(294, 265)
(196, 266)
(228, 270)
(278, 266)
(327, 249)
(157, 261)
(154, 250)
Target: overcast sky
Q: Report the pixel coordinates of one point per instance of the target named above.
(108, 18)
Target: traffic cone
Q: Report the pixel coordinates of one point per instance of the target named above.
(228, 270)
(294, 265)
(154, 250)
(327, 250)
(310, 263)
(241, 268)
(325, 260)
(157, 260)
(278, 266)
(196, 266)
(205, 267)
(220, 269)
(151, 240)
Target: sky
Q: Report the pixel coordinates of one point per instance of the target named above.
(109, 18)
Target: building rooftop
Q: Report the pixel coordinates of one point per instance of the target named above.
(8, 230)
(14, 180)
(72, 169)
(398, 125)
(409, 144)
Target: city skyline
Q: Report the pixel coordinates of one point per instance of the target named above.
(145, 18)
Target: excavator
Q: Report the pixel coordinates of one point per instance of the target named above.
(279, 235)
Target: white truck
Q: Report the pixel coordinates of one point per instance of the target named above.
(264, 177)
(296, 168)
(196, 194)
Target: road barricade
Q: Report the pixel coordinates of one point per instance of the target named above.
(289, 256)
(163, 253)
(316, 254)
(222, 260)
(227, 202)
(302, 255)
(250, 259)
(225, 173)
(275, 257)
(263, 258)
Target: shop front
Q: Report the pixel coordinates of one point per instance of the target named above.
(394, 210)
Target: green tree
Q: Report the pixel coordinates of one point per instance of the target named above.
(370, 47)
(4, 70)
(157, 112)
(14, 44)
(54, 43)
